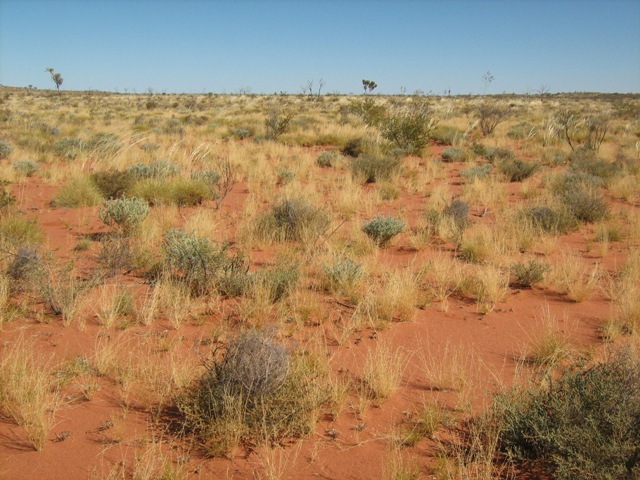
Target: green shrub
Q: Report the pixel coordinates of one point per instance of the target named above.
(125, 213)
(178, 191)
(255, 392)
(550, 220)
(409, 129)
(454, 154)
(70, 148)
(480, 171)
(354, 148)
(498, 154)
(114, 184)
(585, 161)
(292, 220)
(584, 425)
(278, 282)
(370, 111)
(327, 159)
(5, 150)
(16, 230)
(521, 131)
(445, 135)
(382, 229)
(570, 181)
(342, 276)
(373, 168)
(26, 168)
(79, 192)
(586, 205)
(526, 275)
(156, 169)
(517, 170)
(104, 144)
(459, 211)
(194, 260)
(277, 123)
(25, 268)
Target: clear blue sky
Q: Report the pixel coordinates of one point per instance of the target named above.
(276, 45)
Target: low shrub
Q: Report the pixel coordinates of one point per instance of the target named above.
(26, 168)
(586, 205)
(104, 144)
(254, 391)
(16, 230)
(70, 148)
(586, 424)
(372, 168)
(79, 192)
(292, 220)
(480, 171)
(195, 260)
(327, 159)
(459, 211)
(25, 268)
(277, 282)
(445, 135)
(454, 154)
(521, 131)
(178, 191)
(382, 229)
(549, 220)
(585, 161)
(124, 213)
(156, 169)
(409, 128)
(497, 154)
(527, 275)
(114, 184)
(354, 148)
(342, 276)
(5, 150)
(517, 170)
(277, 123)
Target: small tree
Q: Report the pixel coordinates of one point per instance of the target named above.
(56, 77)
(369, 86)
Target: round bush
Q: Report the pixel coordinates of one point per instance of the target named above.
(382, 229)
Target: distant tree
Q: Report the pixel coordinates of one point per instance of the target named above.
(321, 85)
(56, 77)
(369, 86)
(487, 78)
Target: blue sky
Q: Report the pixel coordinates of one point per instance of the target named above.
(276, 45)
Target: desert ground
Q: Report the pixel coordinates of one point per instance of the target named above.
(304, 286)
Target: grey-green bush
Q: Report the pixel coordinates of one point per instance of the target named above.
(124, 213)
(382, 229)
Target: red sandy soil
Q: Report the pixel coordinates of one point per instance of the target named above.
(101, 433)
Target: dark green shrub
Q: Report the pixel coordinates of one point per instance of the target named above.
(178, 191)
(254, 391)
(526, 275)
(479, 149)
(113, 184)
(584, 425)
(373, 168)
(371, 112)
(24, 269)
(454, 154)
(354, 148)
(517, 170)
(382, 229)
(292, 220)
